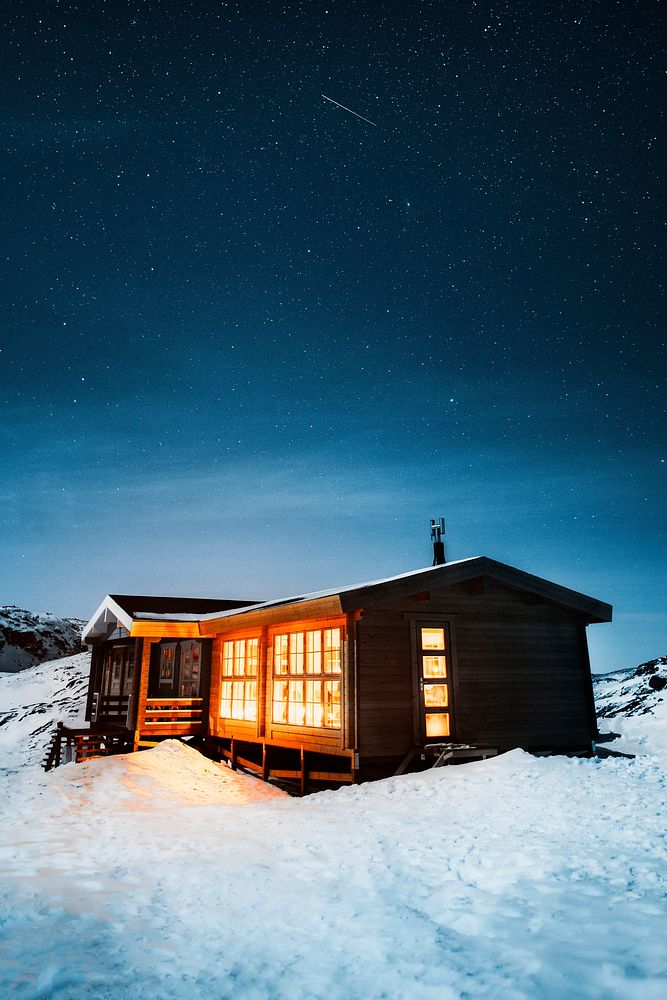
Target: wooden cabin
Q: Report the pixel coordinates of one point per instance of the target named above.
(356, 682)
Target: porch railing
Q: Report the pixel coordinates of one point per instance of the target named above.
(110, 706)
(186, 713)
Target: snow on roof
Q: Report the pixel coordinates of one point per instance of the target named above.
(319, 594)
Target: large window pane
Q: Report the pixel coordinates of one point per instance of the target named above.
(250, 702)
(304, 701)
(437, 724)
(280, 701)
(296, 712)
(435, 666)
(332, 704)
(331, 650)
(435, 695)
(252, 657)
(433, 638)
(240, 660)
(296, 653)
(314, 708)
(314, 652)
(281, 654)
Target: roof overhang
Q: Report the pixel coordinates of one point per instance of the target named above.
(108, 613)
(270, 614)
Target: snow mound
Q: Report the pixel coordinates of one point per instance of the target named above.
(33, 701)
(27, 638)
(165, 777)
(643, 735)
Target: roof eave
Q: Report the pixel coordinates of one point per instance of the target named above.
(322, 607)
(105, 614)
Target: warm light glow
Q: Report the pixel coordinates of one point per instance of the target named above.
(190, 670)
(167, 665)
(435, 695)
(437, 725)
(281, 654)
(314, 652)
(238, 689)
(302, 701)
(434, 666)
(433, 638)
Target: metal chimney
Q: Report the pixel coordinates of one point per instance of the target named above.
(437, 531)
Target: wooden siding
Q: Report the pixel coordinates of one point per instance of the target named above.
(280, 614)
(384, 678)
(517, 663)
(166, 630)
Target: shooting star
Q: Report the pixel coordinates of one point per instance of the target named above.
(349, 109)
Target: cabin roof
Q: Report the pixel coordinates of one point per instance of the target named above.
(359, 595)
(338, 600)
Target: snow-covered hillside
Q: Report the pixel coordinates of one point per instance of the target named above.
(163, 874)
(27, 639)
(631, 692)
(32, 701)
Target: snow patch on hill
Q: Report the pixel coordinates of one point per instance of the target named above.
(33, 701)
(27, 638)
(636, 691)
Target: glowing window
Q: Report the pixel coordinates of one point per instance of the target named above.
(281, 654)
(167, 665)
(302, 700)
(238, 688)
(433, 638)
(314, 652)
(435, 666)
(296, 661)
(437, 724)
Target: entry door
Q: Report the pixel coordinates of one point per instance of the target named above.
(434, 682)
(190, 669)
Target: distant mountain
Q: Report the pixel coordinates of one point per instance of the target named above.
(27, 638)
(635, 691)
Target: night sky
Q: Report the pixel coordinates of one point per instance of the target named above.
(251, 343)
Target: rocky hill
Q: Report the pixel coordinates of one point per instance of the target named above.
(27, 639)
(32, 701)
(636, 691)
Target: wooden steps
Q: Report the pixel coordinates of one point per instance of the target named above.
(79, 745)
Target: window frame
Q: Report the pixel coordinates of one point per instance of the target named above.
(240, 681)
(306, 677)
(448, 623)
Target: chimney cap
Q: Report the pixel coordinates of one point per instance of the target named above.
(437, 531)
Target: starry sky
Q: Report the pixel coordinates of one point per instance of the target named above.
(252, 342)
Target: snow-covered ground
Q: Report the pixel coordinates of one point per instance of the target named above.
(164, 875)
